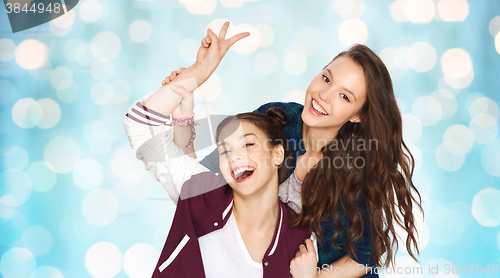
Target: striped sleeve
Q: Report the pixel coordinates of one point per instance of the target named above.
(153, 143)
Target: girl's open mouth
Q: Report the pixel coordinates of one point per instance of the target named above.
(316, 109)
(243, 173)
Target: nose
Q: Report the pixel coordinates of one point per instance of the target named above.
(236, 155)
(325, 96)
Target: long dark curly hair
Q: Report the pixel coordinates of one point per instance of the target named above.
(380, 170)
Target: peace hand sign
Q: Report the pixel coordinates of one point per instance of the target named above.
(213, 47)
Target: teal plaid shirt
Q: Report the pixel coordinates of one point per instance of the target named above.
(326, 250)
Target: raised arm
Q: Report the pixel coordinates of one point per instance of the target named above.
(145, 123)
(212, 50)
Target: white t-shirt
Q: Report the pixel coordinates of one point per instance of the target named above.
(225, 254)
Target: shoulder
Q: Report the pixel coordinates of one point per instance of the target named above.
(204, 184)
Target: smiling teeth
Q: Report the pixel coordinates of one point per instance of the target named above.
(240, 171)
(317, 107)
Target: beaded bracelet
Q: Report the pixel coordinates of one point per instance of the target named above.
(185, 121)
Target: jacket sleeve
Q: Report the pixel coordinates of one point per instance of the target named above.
(152, 140)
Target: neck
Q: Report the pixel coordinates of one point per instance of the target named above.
(315, 138)
(259, 211)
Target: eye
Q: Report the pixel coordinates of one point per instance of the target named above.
(248, 145)
(327, 80)
(344, 96)
(225, 152)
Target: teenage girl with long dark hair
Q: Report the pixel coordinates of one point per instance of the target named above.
(350, 163)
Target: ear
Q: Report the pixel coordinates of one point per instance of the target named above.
(356, 119)
(279, 155)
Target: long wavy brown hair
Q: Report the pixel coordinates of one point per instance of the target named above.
(380, 171)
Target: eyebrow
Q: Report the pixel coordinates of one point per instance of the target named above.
(347, 90)
(241, 137)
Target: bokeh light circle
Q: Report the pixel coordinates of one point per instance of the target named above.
(100, 207)
(51, 113)
(200, 6)
(46, 271)
(486, 208)
(16, 157)
(448, 103)
(210, 90)
(484, 105)
(31, 54)
(295, 63)
(69, 94)
(140, 189)
(26, 113)
(428, 110)
(63, 22)
(139, 31)
(17, 262)
(37, 239)
(419, 11)
(310, 37)
(91, 11)
(61, 78)
(450, 160)
(266, 35)
(16, 187)
(88, 174)
(139, 260)
(7, 50)
(187, 50)
(101, 93)
(453, 10)
(42, 178)
(424, 57)
(103, 260)
(494, 26)
(122, 91)
(125, 165)
(246, 45)
(412, 128)
(457, 140)
(484, 128)
(61, 154)
(266, 62)
(105, 46)
(348, 8)
(490, 158)
(352, 31)
(497, 42)
(456, 63)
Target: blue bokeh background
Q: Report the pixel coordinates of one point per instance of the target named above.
(74, 201)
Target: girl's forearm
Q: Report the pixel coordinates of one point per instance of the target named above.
(182, 135)
(164, 100)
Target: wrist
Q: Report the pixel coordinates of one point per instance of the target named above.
(206, 68)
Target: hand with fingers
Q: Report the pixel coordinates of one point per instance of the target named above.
(303, 265)
(212, 50)
(186, 107)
